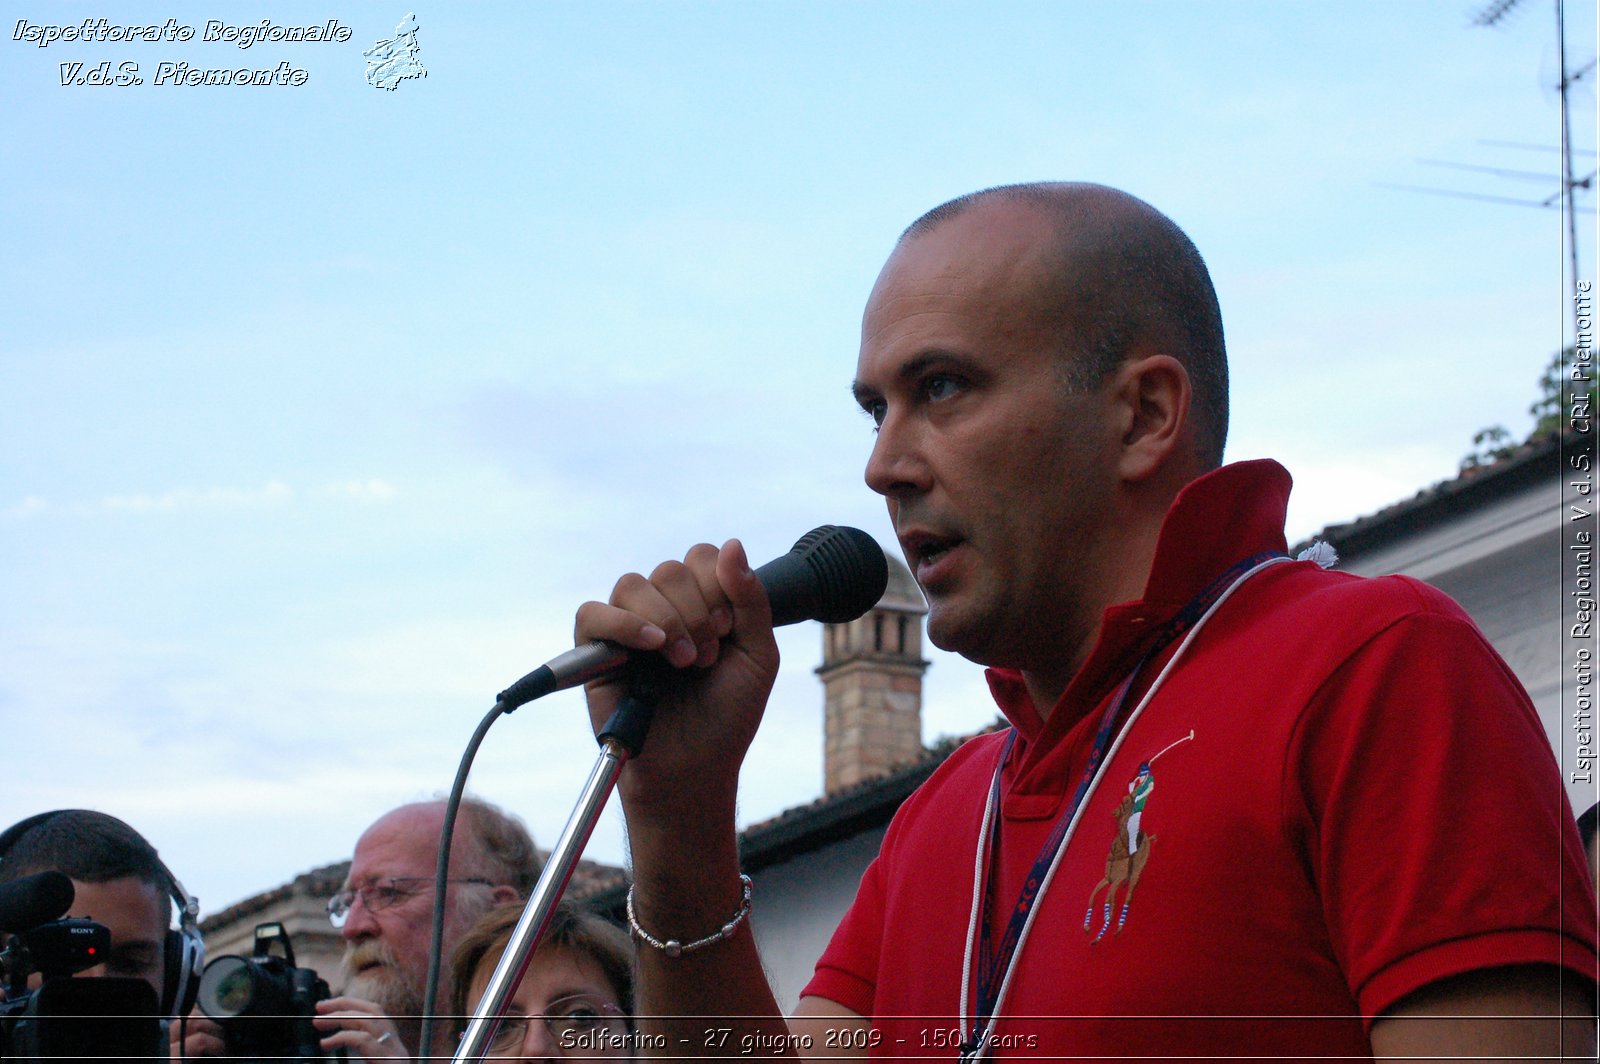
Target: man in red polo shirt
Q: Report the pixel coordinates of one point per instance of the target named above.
(1044, 366)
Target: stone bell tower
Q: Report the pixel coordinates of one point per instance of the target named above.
(872, 686)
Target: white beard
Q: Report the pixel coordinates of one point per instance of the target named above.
(388, 987)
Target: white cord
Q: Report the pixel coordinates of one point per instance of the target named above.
(1077, 814)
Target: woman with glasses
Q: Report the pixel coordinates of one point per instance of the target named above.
(576, 998)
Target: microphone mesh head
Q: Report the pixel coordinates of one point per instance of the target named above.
(850, 568)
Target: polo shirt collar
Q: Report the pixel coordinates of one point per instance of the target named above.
(1216, 520)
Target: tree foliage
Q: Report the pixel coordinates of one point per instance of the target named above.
(1549, 412)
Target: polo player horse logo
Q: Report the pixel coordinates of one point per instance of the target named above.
(1130, 850)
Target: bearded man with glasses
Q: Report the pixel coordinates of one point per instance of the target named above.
(385, 914)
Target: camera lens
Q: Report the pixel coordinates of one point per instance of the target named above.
(227, 987)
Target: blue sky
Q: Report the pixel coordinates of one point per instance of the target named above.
(323, 407)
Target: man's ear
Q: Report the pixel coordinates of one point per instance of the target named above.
(505, 895)
(1153, 392)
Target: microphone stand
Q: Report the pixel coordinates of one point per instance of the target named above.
(620, 739)
(832, 574)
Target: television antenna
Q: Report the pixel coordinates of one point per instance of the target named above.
(1489, 16)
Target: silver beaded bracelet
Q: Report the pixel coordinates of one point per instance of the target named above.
(672, 947)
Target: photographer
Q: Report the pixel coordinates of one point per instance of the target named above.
(270, 1023)
(385, 916)
(118, 881)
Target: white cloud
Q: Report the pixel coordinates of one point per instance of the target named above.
(273, 493)
(28, 507)
(452, 659)
(375, 489)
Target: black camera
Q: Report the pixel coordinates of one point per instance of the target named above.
(263, 1003)
(73, 1018)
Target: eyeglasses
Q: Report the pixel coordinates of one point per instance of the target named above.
(566, 1019)
(384, 895)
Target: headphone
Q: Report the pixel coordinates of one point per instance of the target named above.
(183, 952)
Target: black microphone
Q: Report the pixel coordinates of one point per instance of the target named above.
(33, 900)
(832, 574)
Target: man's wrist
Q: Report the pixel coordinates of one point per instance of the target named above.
(676, 947)
(693, 813)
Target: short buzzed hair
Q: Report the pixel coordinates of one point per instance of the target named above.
(503, 846)
(1123, 275)
(85, 845)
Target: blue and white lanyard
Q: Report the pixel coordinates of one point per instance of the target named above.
(995, 964)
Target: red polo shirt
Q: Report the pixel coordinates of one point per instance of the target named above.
(1368, 804)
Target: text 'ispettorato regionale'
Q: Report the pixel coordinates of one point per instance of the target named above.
(179, 72)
